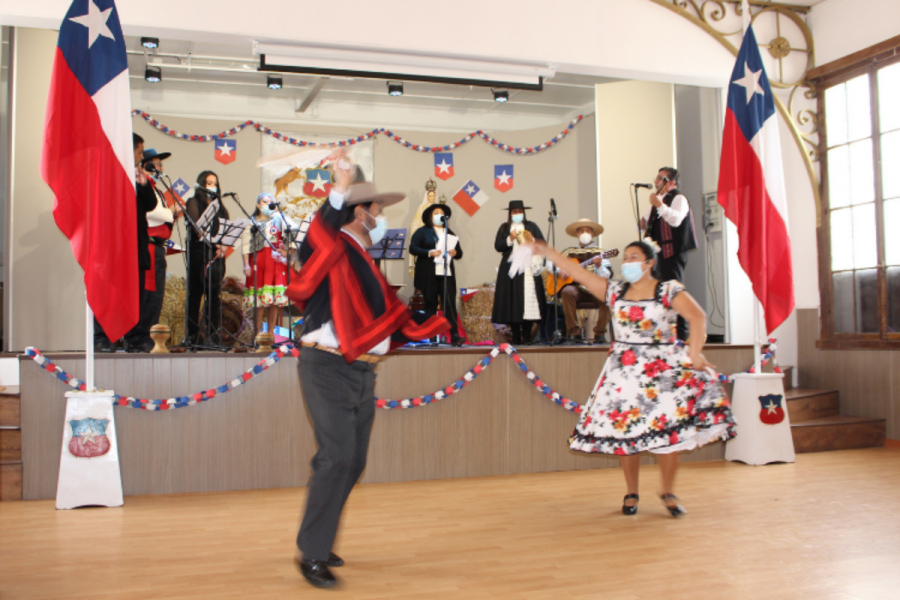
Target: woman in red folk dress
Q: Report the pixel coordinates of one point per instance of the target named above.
(653, 394)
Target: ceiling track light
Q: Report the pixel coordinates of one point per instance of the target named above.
(395, 88)
(274, 82)
(150, 43)
(153, 74)
(500, 95)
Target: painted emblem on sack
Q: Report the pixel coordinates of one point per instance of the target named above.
(89, 438)
(772, 413)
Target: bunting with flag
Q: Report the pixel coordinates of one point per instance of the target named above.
(443, 165)
(88, 159)
(226, 151)
(503, 177)
(751, 184)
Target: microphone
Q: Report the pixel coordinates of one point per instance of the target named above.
(553, 207)
(643, 185)
(273, 205)
(232, 194)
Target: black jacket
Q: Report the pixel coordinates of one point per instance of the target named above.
(423, 241)
(509, 295)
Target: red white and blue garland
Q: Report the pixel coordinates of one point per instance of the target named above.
(263, 365)
(352, 141)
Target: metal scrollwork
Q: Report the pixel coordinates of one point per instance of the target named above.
(791, 48)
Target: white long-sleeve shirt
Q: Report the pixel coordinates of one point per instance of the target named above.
(675, 214)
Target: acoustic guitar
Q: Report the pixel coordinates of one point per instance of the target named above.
(562, 282)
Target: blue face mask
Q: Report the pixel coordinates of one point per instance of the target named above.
(632, 272)
(438, 220)
(376, 234)
(517, 219)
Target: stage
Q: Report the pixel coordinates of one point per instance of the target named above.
(824, 528)
(258, 436)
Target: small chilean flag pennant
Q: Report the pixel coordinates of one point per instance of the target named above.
(470, 197)
(180, 188)
(226, 151)
(503, 177)
(443, 165)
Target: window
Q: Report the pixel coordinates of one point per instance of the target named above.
(859, 240)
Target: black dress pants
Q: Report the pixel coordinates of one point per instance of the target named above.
(434, 293)
(669, 269)
(340, 399)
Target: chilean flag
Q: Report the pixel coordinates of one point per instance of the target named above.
(470, 197)
(751, 184)
(88, 159)
(503, 177)
(226, 151)
(179, 188)
(443, 165)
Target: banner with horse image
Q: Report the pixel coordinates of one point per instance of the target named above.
(303, 190)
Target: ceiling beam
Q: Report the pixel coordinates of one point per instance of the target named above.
(313, 92)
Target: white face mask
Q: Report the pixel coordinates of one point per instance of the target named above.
(376, 234)
(585, 239)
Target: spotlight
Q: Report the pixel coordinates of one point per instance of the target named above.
(500, 95)
(274, 83)
(150, 43)
(395, 88)
(153, 74)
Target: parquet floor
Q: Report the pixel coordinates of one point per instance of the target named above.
(826, 527)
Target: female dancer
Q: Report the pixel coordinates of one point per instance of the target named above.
(429, 277)
(265, 287)
(518, 301)
(207, 268)
(653, 394)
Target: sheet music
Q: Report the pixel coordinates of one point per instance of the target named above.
(451, 241)
(229, 232)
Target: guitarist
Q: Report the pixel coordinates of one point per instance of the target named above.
(584, 230)
(671, 225)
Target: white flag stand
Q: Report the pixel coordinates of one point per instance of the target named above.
(89, 472)
(760, 411)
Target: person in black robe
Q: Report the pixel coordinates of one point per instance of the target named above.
(519, 302)
(423, 246)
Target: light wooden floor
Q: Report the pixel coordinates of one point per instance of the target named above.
(825, 527)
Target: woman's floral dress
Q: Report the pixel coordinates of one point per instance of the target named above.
(648, 397)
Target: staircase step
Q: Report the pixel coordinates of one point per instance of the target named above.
(838, 433)
(10, 481)
(10, 445)
(9, 410)
(805, 404)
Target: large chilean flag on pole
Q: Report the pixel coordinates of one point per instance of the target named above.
(88, 159)
(751, 184)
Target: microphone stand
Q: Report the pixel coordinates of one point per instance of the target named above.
(287, 233)
(556, 337)
(446, 257)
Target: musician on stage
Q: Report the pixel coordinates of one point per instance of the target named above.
(572, 293)
(671, 225)
(352, 318)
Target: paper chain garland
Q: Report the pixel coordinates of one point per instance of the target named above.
(182, 401)
(352, 141)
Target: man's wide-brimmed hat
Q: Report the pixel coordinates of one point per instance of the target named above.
(572, 229)
(151, 153)
(358, 193)
(513, 204)
(426, 214)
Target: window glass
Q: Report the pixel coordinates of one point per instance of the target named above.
(836, 115)
(843, 302)
(862, 172)
(890, 163)
(888, 97)
(839, 177)
(891, 236)
(867, 301)
(865, 248)
(841, 240)
(893, 293)
(859, 109)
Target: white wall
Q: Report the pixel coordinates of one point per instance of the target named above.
(842, 27)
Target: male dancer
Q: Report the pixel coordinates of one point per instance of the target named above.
(671, 225)
(351, 320)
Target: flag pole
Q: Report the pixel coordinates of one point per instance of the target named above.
(757, 347)
(89, 348)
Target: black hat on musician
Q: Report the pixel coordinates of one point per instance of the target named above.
(151, 153)
(514, 204)
(426, 214)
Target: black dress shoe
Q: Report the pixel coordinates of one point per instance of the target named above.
(334, 560)
(104, 346)
(675, 510)
(575, 339)
(316, 572)
(630, 510)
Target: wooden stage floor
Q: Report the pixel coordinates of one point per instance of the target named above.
(826, 527)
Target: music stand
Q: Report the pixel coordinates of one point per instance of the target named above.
(391, 247)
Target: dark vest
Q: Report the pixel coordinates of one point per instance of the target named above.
(672, 240)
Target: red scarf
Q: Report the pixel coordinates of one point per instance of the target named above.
(356, 327)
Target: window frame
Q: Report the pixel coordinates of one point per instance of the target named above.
(867, 62)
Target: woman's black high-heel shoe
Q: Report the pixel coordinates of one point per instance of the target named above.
(675, 511)
(630, 510)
